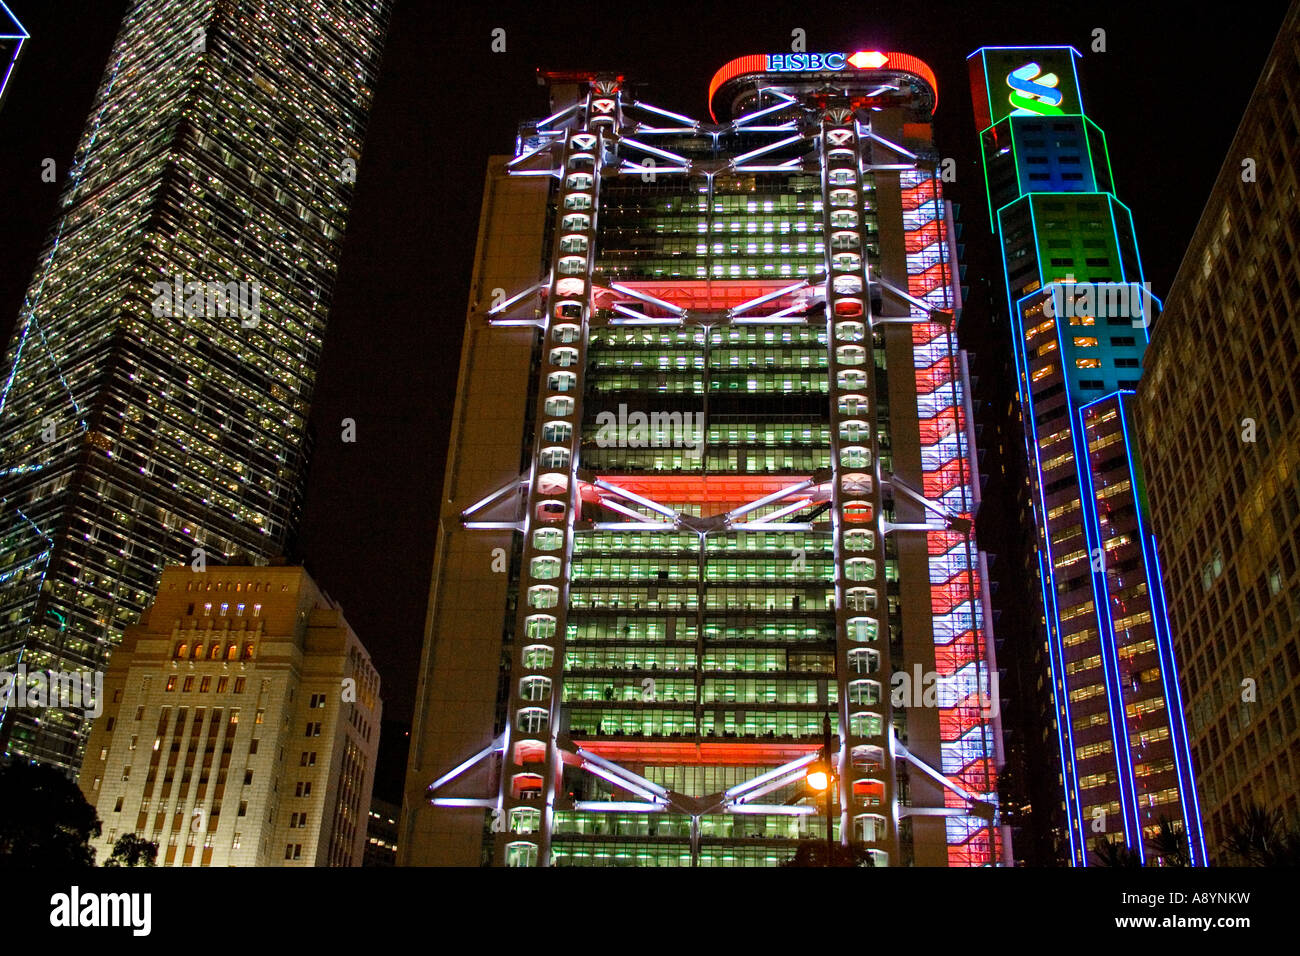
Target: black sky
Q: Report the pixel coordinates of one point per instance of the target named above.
(1168, 92)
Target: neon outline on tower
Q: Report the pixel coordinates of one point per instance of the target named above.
(1125, 756)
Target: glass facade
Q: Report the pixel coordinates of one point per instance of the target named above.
(156, 390)
(746, 340)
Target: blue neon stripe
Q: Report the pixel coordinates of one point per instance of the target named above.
(1168, 669)
(1056, 648)
(1101, 590)
(1195, 820)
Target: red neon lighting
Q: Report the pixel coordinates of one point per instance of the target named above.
(640, 753)
(925, 282)
(722, 492)
(710, 295)
(868, 61)
(756, 64)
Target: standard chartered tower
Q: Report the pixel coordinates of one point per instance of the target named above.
(710, 484)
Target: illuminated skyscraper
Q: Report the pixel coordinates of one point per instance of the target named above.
(155, 393)
(1220, 435)
(12, 37)
(710, 480)
(1079, 316)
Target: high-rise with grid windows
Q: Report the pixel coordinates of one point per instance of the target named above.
(1220, 435)
(1080, 313)
(710, 481)
(154, 396)
(240, 725)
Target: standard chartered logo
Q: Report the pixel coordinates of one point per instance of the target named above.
(1034, 93)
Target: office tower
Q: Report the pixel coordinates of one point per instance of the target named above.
(381, 833)
(1220, 438)
(12, 36)
(1079, 314)
(709, 483)
(154, 397)
(240, 725)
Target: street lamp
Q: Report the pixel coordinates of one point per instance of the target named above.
(821, 776)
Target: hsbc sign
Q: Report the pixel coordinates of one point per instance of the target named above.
(813, 62)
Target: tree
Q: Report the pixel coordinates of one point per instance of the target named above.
(1262, 837)
(1113, 853)
(133, 850)
(813, 853)
(44, 819)
(1170, 844)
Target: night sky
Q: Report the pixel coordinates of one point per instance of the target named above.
(1168, 92)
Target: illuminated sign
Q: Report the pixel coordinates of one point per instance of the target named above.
(812, 62)
(1024, 81)
(1033, 92)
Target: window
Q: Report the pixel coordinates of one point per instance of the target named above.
(234, 845)
(243, 808)
(303, 789)
(117, 807)
(207, 610)
(171, 682)
(135, 739)
(139, 713)
(222, 684)
(239, 610)
(252, 746)
(308, 759)
(293, 851)
(239, 685)
(257, 719)
(205, 683)
(257, 610)
(188, 685)
(313, 730)
(224, 609)
(126, 773)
